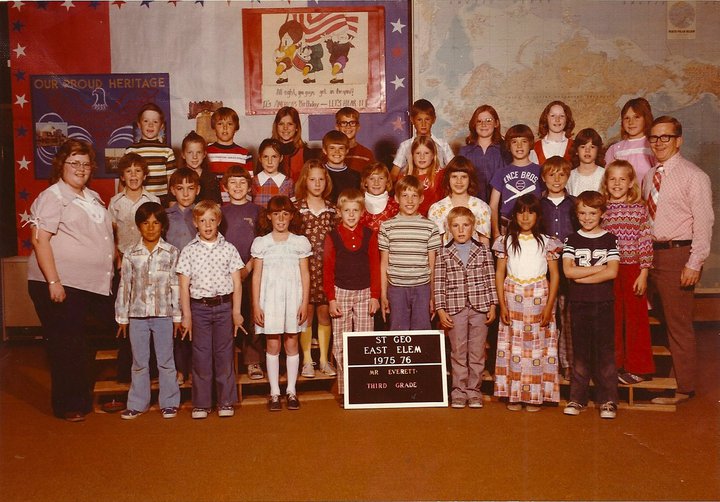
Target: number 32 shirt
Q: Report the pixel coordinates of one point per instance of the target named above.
(588, 250)
(513, 182)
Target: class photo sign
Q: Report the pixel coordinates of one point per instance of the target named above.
(395, 369)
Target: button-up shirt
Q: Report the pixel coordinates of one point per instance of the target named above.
(122, 211)
(209, 267)
(684, 207)
(148, 284)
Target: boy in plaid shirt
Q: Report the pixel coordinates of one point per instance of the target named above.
(465, 298)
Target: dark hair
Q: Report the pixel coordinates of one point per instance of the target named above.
(519, 131)
(460, 164)
(269, 143)
(593, 199)
(148, 209)
(581, 139)
(544, 128)
(237, 171)
(224, 113)
(151, 107)
(132, 159)
(193, 137)
(279, 203)
(496, 139)
(422, 106)
(184, 174)
(409, 182)
(525, 203)
(641, 107)
(334, 137)
(347, 112)
(70, 147)
(666, 119)
(289, 111)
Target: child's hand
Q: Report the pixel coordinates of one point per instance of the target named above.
(259, 316)
(546, 315)
(505, 315)
(385, 307)
(640, 285)
(432, 308)
(177, 329)
(237, 323)
(491, 315)
(186, 328)
(302, 313)
(373, 306)
(122, 331)
(445, 319)
(334, 310)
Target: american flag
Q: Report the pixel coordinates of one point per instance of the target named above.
(317, 26)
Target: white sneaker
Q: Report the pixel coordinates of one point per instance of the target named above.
(328, 369)
(573, 408)
(226, 411)
(199, 412)
(308, 370)
(608, 410)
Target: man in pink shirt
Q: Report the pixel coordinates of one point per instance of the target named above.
(679, 200)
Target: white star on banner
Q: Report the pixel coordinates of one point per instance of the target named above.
(68, 4)
(19, 51)
(398, 82)
(397, 26)
(17, 5)
(24, 216)
(20, 100)
(23, 163)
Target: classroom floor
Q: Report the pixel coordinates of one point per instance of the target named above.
(325, 453)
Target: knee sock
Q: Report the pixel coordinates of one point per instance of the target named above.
(293, 363)
(273, 371)
(324, 332)
(306, 343)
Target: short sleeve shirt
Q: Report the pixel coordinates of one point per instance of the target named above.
(209, 267)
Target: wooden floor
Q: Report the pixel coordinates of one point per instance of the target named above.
(322, 452)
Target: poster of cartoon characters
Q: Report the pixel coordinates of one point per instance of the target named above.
(315, 60)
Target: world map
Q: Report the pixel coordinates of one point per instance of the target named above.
(594, 55)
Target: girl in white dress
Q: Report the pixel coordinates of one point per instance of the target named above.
(281, 287)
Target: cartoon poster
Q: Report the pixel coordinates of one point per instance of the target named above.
(100, 109)
(316, 60)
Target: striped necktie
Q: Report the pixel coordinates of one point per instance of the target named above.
(655, 191)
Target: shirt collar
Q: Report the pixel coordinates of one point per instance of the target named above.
(277, 178)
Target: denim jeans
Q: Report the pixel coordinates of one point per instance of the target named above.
(409, 307)
(593, 342)
(161, 329)
(213, 347)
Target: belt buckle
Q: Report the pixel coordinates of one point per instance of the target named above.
(213, 301)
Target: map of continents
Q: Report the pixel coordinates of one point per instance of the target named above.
(518, 55)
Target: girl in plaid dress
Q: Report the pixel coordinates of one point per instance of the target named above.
(318, 218)
(268, 180)
(526, 370)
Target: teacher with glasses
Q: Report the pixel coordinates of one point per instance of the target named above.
(69, 273)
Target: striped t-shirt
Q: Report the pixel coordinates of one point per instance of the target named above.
(161, 164)
(408, 240)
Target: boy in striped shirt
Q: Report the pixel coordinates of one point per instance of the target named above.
(408, 243)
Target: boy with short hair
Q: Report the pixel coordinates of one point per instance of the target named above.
(159, 156)
(347, 121)
(591, 262)
(422, 116)
(559, 221)
(465, 298)
(408, 243)
(335, 147)
(224, 152)
(351, 280)
(239, 219)
(210, 297)
(519, 177)
(133, 170)
(184, 187)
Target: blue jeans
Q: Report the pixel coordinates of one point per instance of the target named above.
(593, 342)
(213, 346)
(409, 307)
(161, 329)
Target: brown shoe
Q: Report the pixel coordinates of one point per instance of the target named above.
(678, 398)
(74, 416)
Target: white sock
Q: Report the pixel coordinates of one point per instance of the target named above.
(293, 363)
(273, 370)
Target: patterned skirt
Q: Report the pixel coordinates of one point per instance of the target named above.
(526, 369)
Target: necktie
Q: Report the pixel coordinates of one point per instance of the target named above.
(655, 191)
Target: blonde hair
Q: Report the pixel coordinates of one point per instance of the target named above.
(375, 168)
(351, 195)
(427, 142)
(301, 191)
(207, 205)
(634, 195)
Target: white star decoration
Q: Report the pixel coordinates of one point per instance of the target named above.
(398, 82)
(23, 163)
(17, 5)
(397, 26)
(19, 51)
(68, 4)
(24, 216)
(20, 100)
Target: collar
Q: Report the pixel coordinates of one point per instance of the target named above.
(593, 235)
(162, 245)
(220, 240)
(336, 169)
(278, 178)
(549, 142)
(376, 204)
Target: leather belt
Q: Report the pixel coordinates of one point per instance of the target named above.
(670, 244)
(213, 301)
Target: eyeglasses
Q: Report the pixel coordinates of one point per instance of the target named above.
(348, 123)
(486, 121)
(78, 166)
(665, 138)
